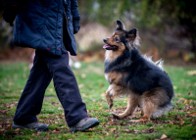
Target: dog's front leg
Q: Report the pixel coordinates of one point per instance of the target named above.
(132, 103)
(110, 93)
(109, 96)
(109, 99)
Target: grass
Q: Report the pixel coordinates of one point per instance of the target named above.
(178, 124)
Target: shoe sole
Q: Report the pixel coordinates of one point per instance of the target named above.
(84, 128)
(15, 126)
(18, 126)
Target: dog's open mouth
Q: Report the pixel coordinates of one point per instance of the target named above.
(110, 47)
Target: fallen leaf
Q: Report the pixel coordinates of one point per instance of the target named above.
(3, 111)
(193, 114)
(179, 120)
(163, 137)
(112, 130)
(150, 130)
(192, 73)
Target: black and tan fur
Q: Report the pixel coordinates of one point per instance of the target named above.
(129, 73)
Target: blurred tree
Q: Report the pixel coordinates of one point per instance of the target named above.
(179, 16)
(156, 15)
(146, 13)
(172, 13)
(103, 11)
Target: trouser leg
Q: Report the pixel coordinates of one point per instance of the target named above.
(31, 100)
(66, 88)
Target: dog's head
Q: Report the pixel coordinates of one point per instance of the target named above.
(122, 39)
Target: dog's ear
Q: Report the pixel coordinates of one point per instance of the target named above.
(120, 25)
(131, 35)
(133, 38)
(132, 32)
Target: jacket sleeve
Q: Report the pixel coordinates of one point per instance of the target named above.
(75, 15)
(74, 9)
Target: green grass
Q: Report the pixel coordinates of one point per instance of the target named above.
(178, 124)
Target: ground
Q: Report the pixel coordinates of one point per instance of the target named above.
(180, 123)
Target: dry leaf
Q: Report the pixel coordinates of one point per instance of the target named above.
(193, 114)
(163, 137)
(192, 73)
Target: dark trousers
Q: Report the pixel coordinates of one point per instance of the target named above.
(45, 68)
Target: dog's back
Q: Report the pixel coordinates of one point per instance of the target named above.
(144, 75)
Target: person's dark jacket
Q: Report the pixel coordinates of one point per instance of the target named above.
(46, 24)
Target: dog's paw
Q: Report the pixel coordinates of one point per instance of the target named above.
(142, 120)
(110, 105)
(135, 121)
(115, 116)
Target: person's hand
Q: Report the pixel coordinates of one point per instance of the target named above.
(76, 26)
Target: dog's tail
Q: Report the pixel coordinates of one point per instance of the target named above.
(158, 63)
(162, 110)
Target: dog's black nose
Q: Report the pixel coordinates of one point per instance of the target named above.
(104, 40)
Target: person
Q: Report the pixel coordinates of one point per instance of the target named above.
(48, 26)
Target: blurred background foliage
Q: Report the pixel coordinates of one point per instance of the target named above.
(166, 27)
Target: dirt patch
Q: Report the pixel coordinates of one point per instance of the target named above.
(16, 54)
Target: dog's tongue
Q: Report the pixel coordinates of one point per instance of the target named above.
(105, 46)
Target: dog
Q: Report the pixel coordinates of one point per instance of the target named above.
(129, 73)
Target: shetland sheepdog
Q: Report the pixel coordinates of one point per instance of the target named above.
(129, 73)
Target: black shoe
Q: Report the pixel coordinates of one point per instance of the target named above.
(85, 124)
(35, 125)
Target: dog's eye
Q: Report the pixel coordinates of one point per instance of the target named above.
(117, 39)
